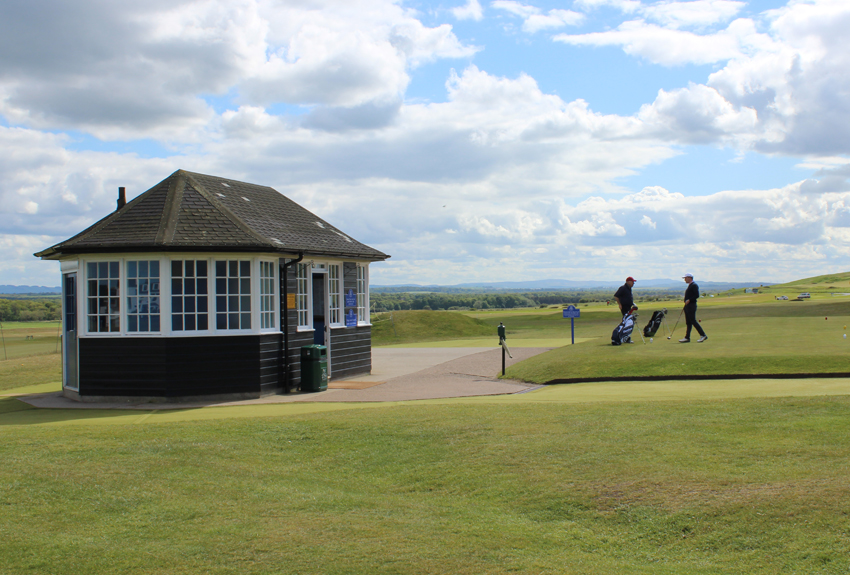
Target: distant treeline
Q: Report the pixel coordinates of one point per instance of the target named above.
(450, 301)
(432, 289)
(39, 308)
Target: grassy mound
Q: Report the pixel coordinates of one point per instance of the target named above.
(823, 286)
(765, 338)
(415, 326)
(839, 280)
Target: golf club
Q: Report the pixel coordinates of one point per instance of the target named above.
(640, 331)
(677, 324)
(664, 321)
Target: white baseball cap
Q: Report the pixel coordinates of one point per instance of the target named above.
(688, 276)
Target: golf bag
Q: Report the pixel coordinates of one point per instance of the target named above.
(654, 323)
(623, 332)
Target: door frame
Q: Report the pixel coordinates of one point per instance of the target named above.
(70, 332)
(322, 272)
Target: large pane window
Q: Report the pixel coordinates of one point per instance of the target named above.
(362, 294)
(143, 296)
(267, 295)
(103, 297)
(302, 297)
(334, 297)
(233, 294)
(189, 295)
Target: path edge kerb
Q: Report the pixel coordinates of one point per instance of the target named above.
(683, 377)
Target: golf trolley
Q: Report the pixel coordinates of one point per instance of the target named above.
(656, 322)
(623, 332)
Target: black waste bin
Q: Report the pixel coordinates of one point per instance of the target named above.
(314, 368)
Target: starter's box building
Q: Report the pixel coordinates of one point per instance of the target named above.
(204, 286)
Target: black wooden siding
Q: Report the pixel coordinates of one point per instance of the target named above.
(351, 351)
(179, 366)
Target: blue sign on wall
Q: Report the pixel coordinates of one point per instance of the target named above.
(572, 311)
(351, 319)
(350, 298)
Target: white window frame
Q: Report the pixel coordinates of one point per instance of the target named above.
(363, 294)
(335, 296)
(251, 295)
(127, 295)
(267, 301)
(88, 297)
(210, 296)
(304, 296)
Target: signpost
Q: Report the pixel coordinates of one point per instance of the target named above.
(572, 312)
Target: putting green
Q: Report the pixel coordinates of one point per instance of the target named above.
(490, 342)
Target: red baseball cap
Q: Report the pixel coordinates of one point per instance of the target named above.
(630, 278)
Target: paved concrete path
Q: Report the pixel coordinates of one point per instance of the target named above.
(398, 374)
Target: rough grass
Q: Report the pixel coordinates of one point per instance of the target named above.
(747, 486)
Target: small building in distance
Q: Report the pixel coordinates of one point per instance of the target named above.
(208, 287)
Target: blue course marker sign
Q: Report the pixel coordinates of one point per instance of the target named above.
(572, 312)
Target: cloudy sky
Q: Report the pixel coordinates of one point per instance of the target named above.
(470, 139)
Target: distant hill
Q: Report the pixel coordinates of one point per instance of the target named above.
(837, 280)
(8, 289)
(559, 285)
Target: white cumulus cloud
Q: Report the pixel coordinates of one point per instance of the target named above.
(535, 19)
(472, 10)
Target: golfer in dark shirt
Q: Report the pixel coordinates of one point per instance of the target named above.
(624, 296)
(691, 297)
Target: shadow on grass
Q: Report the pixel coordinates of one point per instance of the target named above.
(13, 411)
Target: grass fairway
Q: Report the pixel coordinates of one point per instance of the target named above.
(744, 486)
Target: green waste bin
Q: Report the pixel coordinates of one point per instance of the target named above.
(314, 368)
